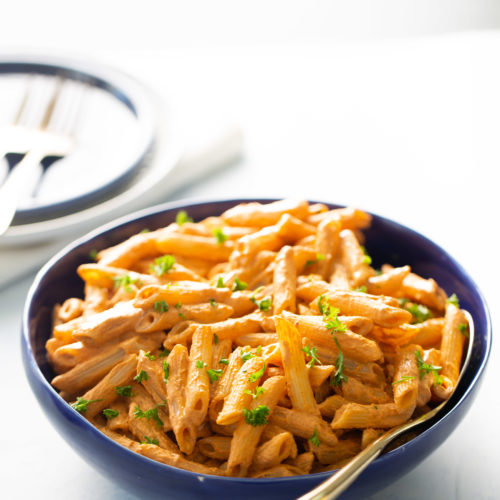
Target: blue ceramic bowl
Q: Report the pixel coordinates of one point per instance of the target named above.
(386, 241)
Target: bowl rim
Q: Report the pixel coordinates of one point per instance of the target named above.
(197, 201)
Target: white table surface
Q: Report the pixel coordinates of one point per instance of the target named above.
(405, 128)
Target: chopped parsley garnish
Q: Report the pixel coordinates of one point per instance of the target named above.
(216, 338)
(164, 353)
(142, 375)
(149, 356)
(182, 315)
(166, 371)
(213, 303)
(312, 352)
(163, 264)
(253, 377)
(464, 329)
(182, 217)
(214, 375)
(403, 301)
(125, 281)
(258, 351)
(361, 289)
(403, 379)
(239, 285)
(125, 390)
(144, 231)
(339, 375)
(161, 306)
(258, 391)
(425, 368)
(80, 405)
(258, 416)
(178, 305)
(246, 355)
(93, 255)
(110, 414)
(224, 361)
(314, 438)
(319, 257)
(148, 440)
(366, 259)
(330, 315)
(453, 299)
(219, 235)
(200, 364)
(151, 414)
(264, 305)
(220, 283)
(419, 312)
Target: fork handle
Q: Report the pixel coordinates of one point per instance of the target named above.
(12, 190)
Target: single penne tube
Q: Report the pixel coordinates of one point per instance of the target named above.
(387, 283)
(327, 242)
(329, 454)
(267, 238)
(241, 302)
(430, 333)
(215, 447)
(340, 278)
(291, 229)
(274, 451)
(284, 280)
(200, 267)
(155, 384)
(178, 363)
(358, 416)
(260, 215)
(64, 332)
(225, 383)
(331, 404)
(201, 247)
(90, 371)
(107, 325)
(105, 276)
(349, 217)
(352, 345)
(369, 435)
(96, 299)
(304, 462)
(256, 339)
(406, 377)
(210, 224)
(296, 373)
(244, 382)
(354, 259)
(319, 374)
(424, 291)
(355, 391)
(153, 320)
(181, 333)
(428, 380)
(104, 393)
(234, 327)
(302, 424)
(221, 351)
(247, 435)
(70, 309)
(363, 304)
(119, 417)
(398, 336)
(185, 292)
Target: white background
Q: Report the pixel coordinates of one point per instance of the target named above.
(392, 106)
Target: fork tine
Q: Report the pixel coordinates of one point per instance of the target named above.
(49, 110)
(67, 112)
(22, 108)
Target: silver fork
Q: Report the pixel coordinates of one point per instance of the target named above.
(52, 137)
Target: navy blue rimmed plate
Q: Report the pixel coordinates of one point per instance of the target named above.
(386, 241)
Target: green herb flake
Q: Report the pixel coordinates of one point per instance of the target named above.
(361, 289)
(258, 391)
(214, 374)
(425, 368)
(219, 235)
(224, 361)
(403, 379)
(258, 351)
(339, 375)
(246, 355)
(330, 315)
(93, 255)
(366, 259)
(314, 438)
(163, 264)
(220, 283)
(319, 257)
(151, 414)
(253, 377)
(464, 329)
(125, 281)
(149, 356)
(178, 305)
(419, 312)
(213, 303)
(80, 405)
(453, 299)
(110, 414)
(161, 306)
(164, 353)
(258, 416)
(142, 375)
(166, 371)
(148, 440)
(312, 352)
(216, 338)
(182, 217)
(125, 391)
(264, 305)
(200, 364)
(239, 285)
(144, 231)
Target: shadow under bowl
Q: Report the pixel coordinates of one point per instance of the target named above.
(386, 241)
